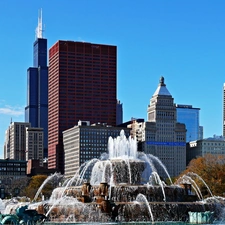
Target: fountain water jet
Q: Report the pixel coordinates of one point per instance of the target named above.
(58, 175)
(185, 179)
(161, 164)
(200, 178)
(158, 180)
(142, 198)
(89, 163)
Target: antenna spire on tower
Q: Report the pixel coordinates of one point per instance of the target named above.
(39, 29)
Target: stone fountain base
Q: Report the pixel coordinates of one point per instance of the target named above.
(88, 203)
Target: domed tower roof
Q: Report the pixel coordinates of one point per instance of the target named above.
(161, 89)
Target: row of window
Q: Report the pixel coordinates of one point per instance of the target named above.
(12, 169)
(12, 173)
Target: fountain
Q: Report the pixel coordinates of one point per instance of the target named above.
(125, 187)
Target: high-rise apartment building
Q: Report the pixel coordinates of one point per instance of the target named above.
(82, 86)
(15, 141)
(162, 136)
(36, 111)
(190, 117)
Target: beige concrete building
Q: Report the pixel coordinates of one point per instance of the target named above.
(213, 145)
(15, 141)
(162, 136)
(85, 142)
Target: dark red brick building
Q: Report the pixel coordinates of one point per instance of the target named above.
(82, 86)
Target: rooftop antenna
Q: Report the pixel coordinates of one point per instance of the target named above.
(39, 29)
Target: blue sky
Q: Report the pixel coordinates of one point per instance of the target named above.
(182, 40)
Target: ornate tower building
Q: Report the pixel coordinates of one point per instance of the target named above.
(162, 136)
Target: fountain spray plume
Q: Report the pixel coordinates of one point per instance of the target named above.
(158, 180)
(48, 179)
(65, 201)
(201, 179)
(186, 178)
(89, 163)
(106, 178)
(154, 158)
(71, 180)
(121, 147)
(142, 198)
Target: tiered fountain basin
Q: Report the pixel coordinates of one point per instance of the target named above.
(114, 200)
(137, 203)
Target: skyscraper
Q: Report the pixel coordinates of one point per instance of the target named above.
(36, 111)
(190, 117)
(82, 86)
(162, 136)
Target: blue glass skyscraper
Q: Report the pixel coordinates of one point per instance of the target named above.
(36, 111)
(190, 117)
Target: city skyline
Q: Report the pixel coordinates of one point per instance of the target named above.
(182, 41)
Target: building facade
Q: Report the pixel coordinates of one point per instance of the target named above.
(201, 132)
(190, 117)
(36, 111)
(162, 136)
(7, 144)
(35, 144)
(11, 170)
(15, 141)
(119, 113)
(85, 142)
(82, 86)
(213, 145)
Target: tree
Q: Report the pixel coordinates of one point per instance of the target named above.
(35, 183)
(211, 168)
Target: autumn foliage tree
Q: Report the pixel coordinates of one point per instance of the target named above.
(35, 183)
(211, 168)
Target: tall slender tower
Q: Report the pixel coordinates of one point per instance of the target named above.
(36, 111)
(82, 86)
